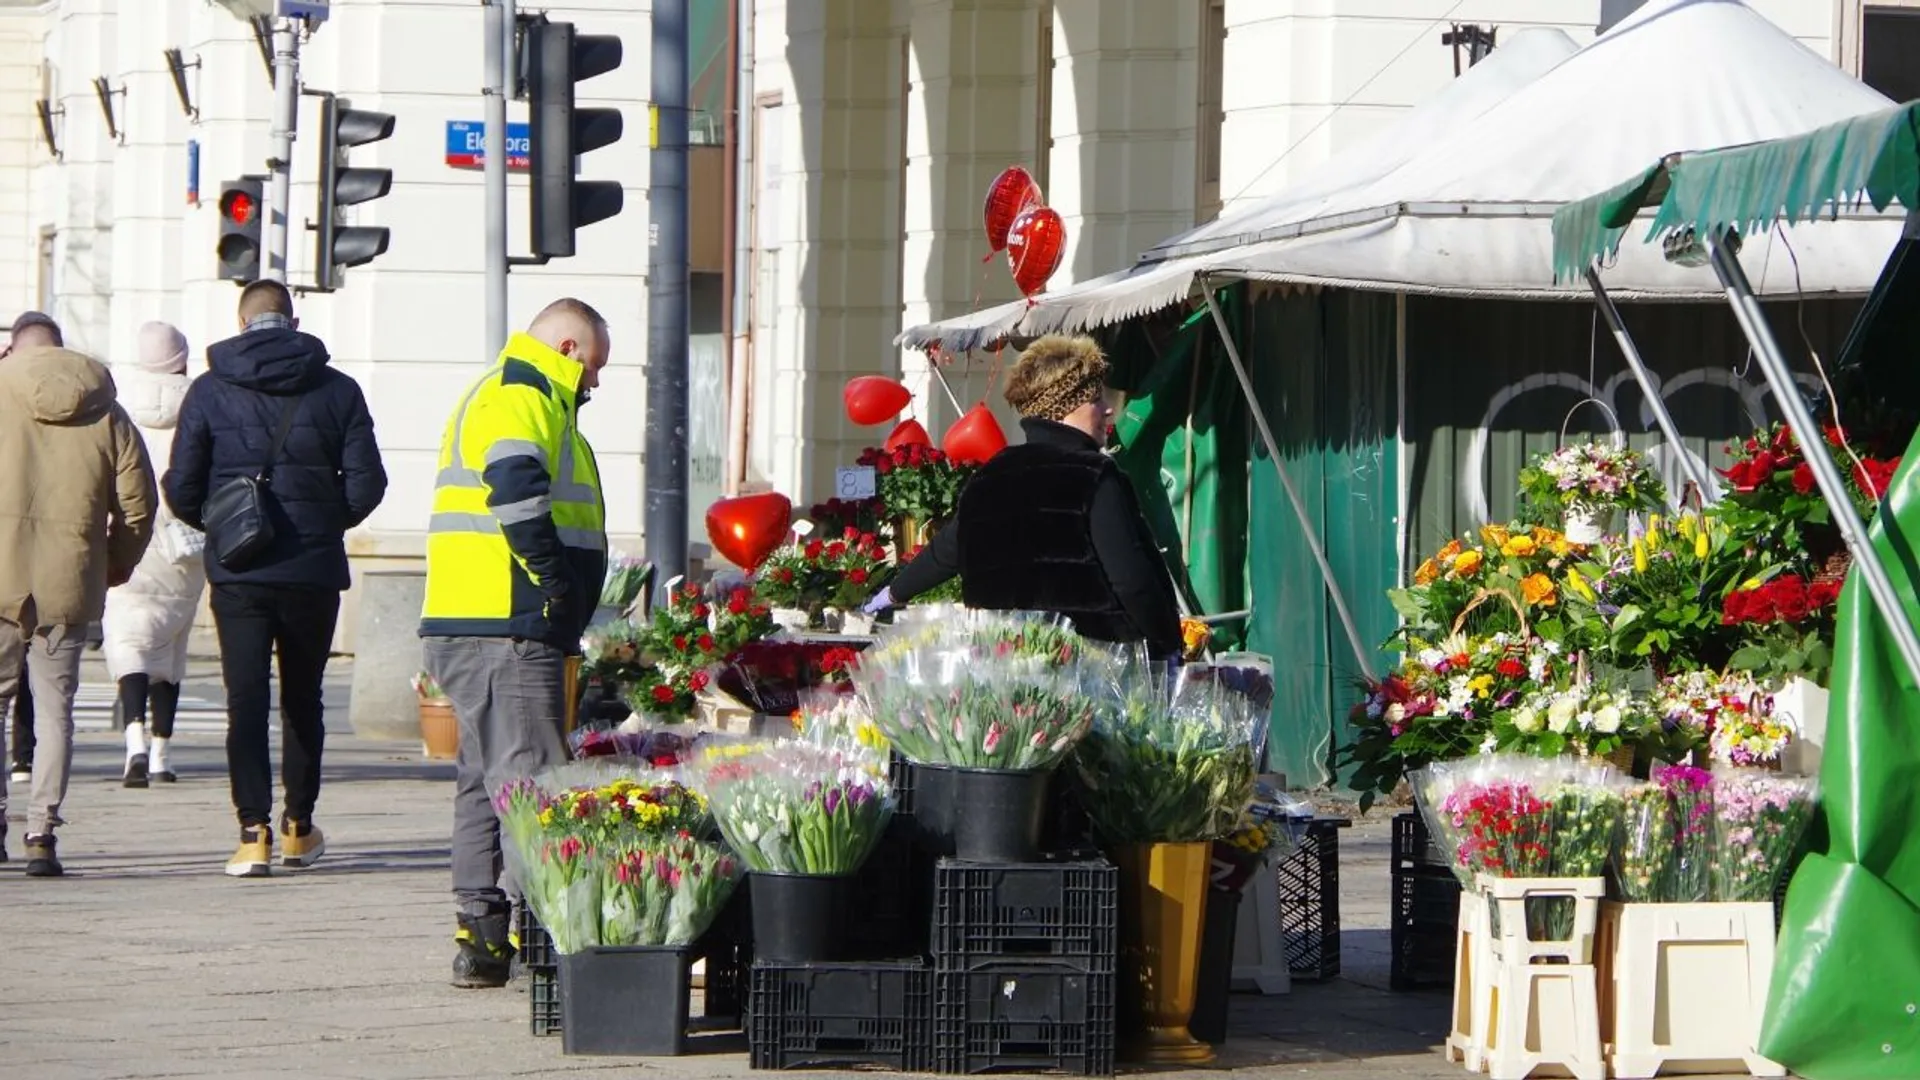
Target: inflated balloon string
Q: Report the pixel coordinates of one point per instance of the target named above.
(1819, 366)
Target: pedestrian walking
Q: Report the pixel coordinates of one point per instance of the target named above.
(76, 512)
(150, 618)
(516, 554)
(274, 460)
(1053, 524)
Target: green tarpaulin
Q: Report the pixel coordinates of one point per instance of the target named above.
(1845, 1003)
(1872, 159)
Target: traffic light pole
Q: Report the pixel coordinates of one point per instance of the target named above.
(667, 314)
(498, 46)
(286, 120)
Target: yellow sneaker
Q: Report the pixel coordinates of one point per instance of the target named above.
(254, 856)
(301, 844)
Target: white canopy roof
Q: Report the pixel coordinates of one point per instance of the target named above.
(1155, 281)
(1469, 212)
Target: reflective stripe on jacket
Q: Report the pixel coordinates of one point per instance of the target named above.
(517, 543)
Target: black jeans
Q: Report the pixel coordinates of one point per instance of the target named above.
(254, 622)
(23, 722)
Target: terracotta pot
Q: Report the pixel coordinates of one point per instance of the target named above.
(439, 730)
(1163, 907)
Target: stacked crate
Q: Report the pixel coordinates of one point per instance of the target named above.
(1024, 961)
(1426, 908)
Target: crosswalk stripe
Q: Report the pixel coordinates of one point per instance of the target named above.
(93, 711)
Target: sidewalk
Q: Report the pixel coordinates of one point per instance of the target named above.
(145, 961)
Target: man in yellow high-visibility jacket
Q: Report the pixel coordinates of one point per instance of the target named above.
(516, 555)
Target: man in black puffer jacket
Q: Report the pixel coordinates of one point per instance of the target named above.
(326, 479)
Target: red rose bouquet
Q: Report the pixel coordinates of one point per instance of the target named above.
(1785, 626)
(839, 572)
(770, 676)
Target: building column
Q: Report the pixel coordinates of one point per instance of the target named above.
(1126, 96)
(149, 178)
(827, 236)
(975, 69)
(22, 36)
(81, 45)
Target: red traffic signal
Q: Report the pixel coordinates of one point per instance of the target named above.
(238, 207)
(240, 244)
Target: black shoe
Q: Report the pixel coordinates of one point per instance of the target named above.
(136, 775)
(41, 861)
(485, 959)
(3, 841)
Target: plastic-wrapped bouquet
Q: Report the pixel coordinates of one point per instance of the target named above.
(1665, 844)
(659, 748)
(664, 892)
(1758, 818)
(1171, 761)
(1590, 476)
(1270, 829)
(626, 575)
(793, 807)
(826, 718)
(770, 676)
(988, 690)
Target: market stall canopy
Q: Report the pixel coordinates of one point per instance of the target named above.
(1467, 211)
(1165, 275)
(1828, 173)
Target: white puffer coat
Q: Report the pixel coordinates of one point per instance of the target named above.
(148, 619)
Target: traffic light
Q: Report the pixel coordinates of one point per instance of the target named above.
(339, 245)
(556, 59)
(243, 205)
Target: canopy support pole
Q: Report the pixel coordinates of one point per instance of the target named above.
(1773, 362)
(1307, 527)
(1696, 471)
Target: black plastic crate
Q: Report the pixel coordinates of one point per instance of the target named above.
(987, 913)
(1426, 920)
(1413, 846)
(815, 1015)
(900, 775)
(1022, 1017)
(892, 897)
(535, 944)
(541, 965)
(1309, 895)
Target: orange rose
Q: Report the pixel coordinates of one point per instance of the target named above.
(1538, 589)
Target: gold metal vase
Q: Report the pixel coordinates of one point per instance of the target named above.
(1163, 908)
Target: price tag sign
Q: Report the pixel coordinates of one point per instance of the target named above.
(854, 482)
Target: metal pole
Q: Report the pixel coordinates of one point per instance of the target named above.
(286, 120)
(1307, 527)
(667, 303)
(497, 54)
(746, 128)
(1695, 470)
(1774, 363)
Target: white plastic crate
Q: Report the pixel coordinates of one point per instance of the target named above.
(1543, 1001)
(1686, 985)
(1472, 984)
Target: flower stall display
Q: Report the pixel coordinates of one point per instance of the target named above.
(804, 818)
(772, 675)
(1172, 762)
(1664, 851)
(817, 575)
(1758, 819)
(1662, 594)
(1586, 483)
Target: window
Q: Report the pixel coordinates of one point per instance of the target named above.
(1890, 51)
(1211, 109)
(1043, 96)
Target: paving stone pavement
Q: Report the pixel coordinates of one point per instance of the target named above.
(146, 962)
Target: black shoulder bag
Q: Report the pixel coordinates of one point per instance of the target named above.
(238, 528)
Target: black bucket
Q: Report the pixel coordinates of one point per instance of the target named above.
(999, 816)
(800, 918)
(1214, 980)
(624, 1002)
(933, 808)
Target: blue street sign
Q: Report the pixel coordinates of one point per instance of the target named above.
(193, 172)
(467, 145)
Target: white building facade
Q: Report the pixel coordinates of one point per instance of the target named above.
(868, 132)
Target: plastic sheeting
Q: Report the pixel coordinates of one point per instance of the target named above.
(1845, 1000)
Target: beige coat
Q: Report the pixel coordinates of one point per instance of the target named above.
(76, 492)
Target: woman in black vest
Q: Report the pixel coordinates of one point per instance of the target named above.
(1052, 524)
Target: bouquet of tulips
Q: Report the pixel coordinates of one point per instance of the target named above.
(1758, 819)
(984, 690)
(664, 891)
(1170, 758)
(1665, 844)
(829, 718)
(793, 807)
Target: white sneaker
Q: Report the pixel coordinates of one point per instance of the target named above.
(157, 766)
(20, 776)
(136, 774)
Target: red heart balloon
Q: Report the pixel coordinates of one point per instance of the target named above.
(747, 529)
(974, 437)
(874, 399)
(1011, 192)
(1034, 246)
(909, 433)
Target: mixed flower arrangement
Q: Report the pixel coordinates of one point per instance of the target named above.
(1591, 477)
(1661, 595)
(1582, 719)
